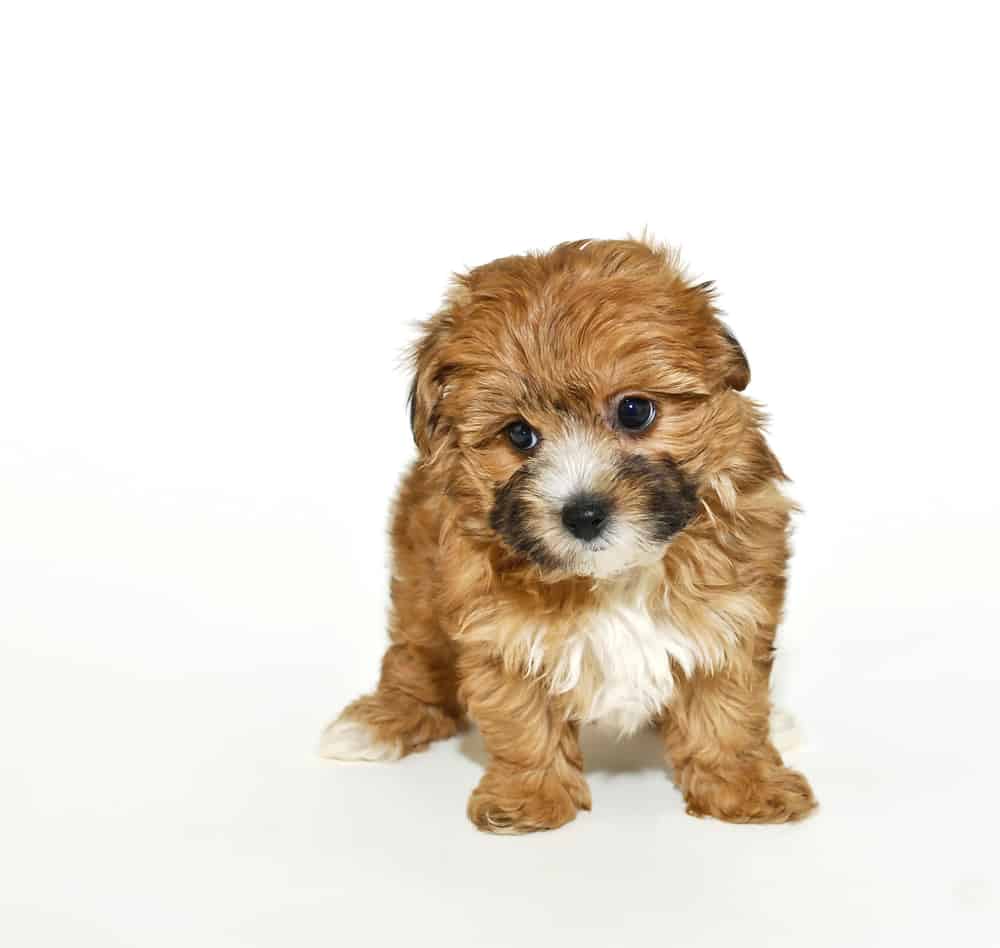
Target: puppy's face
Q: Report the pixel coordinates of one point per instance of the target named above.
(587, 502)
(568, 402)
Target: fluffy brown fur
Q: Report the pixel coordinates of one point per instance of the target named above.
(488, 589)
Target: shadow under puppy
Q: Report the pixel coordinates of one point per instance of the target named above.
(595, 530)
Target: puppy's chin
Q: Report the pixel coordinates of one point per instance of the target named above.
(617, 552)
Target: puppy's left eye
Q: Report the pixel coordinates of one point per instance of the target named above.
(635, 413)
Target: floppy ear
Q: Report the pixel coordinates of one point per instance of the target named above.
(736, 368)
(428, 383)
(732, 363)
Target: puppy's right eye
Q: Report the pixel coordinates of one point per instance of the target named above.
(522, 435)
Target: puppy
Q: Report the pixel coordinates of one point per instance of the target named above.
(595, 530)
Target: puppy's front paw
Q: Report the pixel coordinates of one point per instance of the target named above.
(524, 802)
(757, 791)
(576, 787)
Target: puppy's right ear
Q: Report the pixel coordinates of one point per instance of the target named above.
(427, 390)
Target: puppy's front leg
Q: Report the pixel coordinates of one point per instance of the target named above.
(717, 734)
(534, 780)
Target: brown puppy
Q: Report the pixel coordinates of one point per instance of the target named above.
(595, 530)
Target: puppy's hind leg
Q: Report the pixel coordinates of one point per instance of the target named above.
(416, 700)
(414, 704)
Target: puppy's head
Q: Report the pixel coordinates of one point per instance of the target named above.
(570, 401)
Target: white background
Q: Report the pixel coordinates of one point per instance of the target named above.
(218, 224)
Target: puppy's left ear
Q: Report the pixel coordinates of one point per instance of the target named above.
(730, 359)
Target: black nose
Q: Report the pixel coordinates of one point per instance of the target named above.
(585, 517)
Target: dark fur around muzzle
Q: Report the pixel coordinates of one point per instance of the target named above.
(652, 494)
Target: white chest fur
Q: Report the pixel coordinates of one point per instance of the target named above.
(618, 659)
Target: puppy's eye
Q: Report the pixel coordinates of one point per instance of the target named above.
(635, 413)
(522, 435)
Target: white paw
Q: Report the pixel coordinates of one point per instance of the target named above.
(785, 735)
(351, 740)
